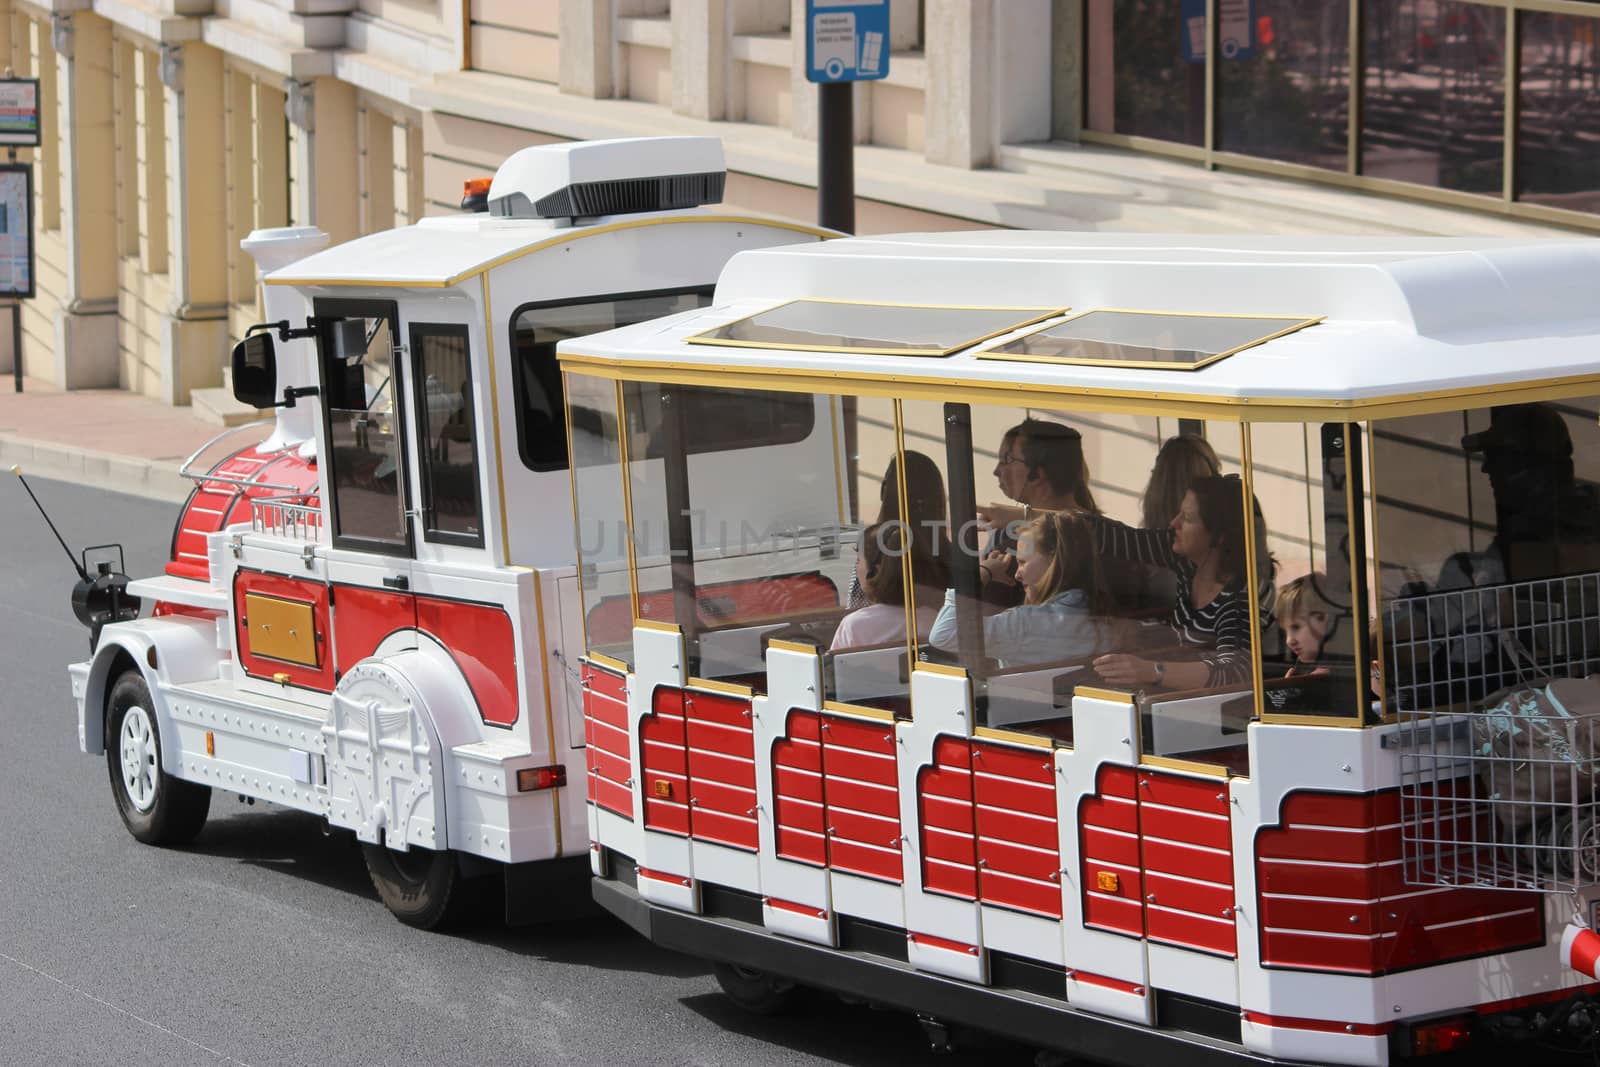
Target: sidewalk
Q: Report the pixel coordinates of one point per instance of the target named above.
(107, 438)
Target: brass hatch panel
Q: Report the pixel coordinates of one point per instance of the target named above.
(282, 629)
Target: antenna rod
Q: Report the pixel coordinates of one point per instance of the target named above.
(17, 470)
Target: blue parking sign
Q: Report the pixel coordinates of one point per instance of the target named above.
(847, 40)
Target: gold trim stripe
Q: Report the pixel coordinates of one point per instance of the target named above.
(549, 708)
(555, 242)
(610, 663)
(1207, 770)
(1012, 737)
(711, 685)
(660, 627)
(1115, 696)
(856, 711)
(1106, 401)
(494, 415)
(793, 646)
(943, 669)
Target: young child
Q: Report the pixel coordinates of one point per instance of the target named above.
(1307, 619)
(882, 582)
(1063, 614)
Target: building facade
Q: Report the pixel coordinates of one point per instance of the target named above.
(172, 128)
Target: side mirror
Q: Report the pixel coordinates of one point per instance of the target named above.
(255, 371)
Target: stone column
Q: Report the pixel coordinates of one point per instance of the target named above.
(702, 37)
(85, 325)
(327, 180)
(194, 332)
(1066, 69)
(588, 42)
(988, 77)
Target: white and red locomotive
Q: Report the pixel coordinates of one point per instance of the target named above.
(370, 614)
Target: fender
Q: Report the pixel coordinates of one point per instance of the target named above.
(185, 651)
(364, 796)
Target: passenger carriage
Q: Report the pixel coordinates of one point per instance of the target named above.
(372, 614)
(1331, 867)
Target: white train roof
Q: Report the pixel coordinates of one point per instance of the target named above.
(447, 249)
(1400, 316)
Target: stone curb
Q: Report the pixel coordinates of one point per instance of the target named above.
(149, 478)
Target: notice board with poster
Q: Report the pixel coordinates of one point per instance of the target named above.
(16, 231)
(19, 112)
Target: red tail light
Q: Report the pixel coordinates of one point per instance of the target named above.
(1441, 1035)
(530, 779)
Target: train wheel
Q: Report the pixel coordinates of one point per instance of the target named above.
(755, 991)
(157, 808)
(417, 886)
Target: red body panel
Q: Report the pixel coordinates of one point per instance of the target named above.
(314, 594)
(664, 763)
(863, 823)
(1187, 861)
(1344, 851)
(606, 739)
(722, 768)
(482, 641)
(215, 504)
(363, 617)
(1019, 848)
(1108, 829)
(949, 832)
(797, 788)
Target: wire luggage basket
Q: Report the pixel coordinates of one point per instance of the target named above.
(1499, 735)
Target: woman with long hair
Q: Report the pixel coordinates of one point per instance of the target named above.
(1206, 549)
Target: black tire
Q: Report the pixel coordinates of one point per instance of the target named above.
(157, 808)
(417, 886)
(756, 992)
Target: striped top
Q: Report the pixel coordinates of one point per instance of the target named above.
(1221, 627)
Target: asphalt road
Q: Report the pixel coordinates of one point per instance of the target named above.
(264, 943)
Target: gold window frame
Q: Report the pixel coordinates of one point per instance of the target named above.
(1036, 315)
(1141, 364)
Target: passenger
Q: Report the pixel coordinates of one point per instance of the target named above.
(1307, 621)
(926, 515)
(1182, 460)
(1042, 467)
(1063, 615)
(882, 582)
(1205, 548)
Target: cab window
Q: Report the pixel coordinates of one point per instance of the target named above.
(364, 413)
(451, 509)
(536, 329)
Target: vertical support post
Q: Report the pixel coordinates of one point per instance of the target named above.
(680, 521)
(836, 166)
(16, 342)
(963, 510)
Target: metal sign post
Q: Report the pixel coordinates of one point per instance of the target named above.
(19, 127)
(846, 41)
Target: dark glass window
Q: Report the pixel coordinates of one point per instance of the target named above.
(1159, 340)
(720, 420)
(536, 377)
(1558, 112)
(885, 329)
(1284, 91)
(1146, 69)
(447, 434)
(1433, 110)
(365, 426)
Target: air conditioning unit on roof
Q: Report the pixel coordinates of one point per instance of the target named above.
(620, 177)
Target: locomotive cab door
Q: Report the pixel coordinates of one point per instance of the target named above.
(368, 476)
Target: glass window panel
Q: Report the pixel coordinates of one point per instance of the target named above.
(1558, 112)
(446, 430)
(1146, 69)
(602, 518)
(536, 377)
(1316, 657)
(892, 329)
(1285, 93)
(1433, 99)
(1488, 534)
(1144, 339)
(364, 432)
(740, 544)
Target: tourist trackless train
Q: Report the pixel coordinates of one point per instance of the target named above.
(983, 705)
(373, 614)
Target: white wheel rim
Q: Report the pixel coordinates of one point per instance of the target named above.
(138, 749)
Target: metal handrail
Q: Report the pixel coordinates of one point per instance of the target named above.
(229, 479)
